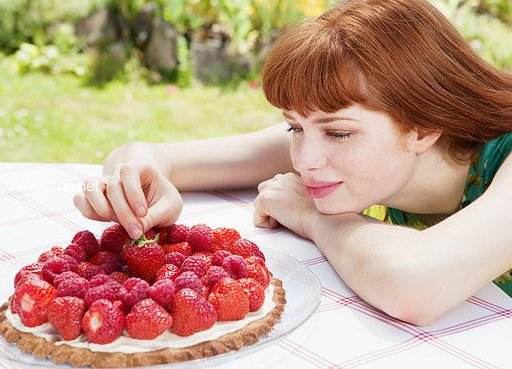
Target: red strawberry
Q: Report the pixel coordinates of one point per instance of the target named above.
(147, 320)
(88, 241)
(57, 265)
(191, 313)
(168, 271)
(245, 248)
(236, 266)
(182, 247)
(34, 268)
(31, 300)
(54, 251)
(259, 273)
(254, 291)
(103, 323)
(27, 277)
(229, 300)
(65, 314)
(197, 264)
(162, 291)
(144, 258)
(255, 260)
(114, 238)
(133, 291)
(223, 238)
(200, 238)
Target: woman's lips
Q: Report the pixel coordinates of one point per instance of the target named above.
(318, 192)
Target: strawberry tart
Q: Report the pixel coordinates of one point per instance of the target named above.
(178, 293)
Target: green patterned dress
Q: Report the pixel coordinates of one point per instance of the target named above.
(481, 172)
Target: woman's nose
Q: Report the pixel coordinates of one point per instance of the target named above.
(309, 155)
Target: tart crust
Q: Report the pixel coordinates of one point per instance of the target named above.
(79, 357)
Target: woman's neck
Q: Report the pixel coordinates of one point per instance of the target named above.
(436, 186)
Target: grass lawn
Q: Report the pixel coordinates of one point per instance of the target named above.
(47, 118)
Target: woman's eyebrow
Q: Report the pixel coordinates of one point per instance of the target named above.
(322, 120)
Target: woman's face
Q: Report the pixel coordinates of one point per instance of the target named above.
(358, 149)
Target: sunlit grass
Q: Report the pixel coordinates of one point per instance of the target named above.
(57, 119)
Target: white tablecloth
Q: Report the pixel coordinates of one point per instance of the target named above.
(37, 212)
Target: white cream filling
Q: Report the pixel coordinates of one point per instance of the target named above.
(167, 339)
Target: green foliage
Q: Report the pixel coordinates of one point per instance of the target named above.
(486, 33)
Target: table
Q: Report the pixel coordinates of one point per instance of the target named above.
(344, 332)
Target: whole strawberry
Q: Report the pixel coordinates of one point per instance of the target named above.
(31, 300)
(144, 257)
(229, 300)
(191, 313)
(65, 314)
(34, 268)
(223, 238)
(259, 273)
(200, 238)
(88, 241)
(245, 248)
(114, 238)
(182, 247)
(147, 320)
(54, 251)
(103, 323)
(254, 291)
(168, 271)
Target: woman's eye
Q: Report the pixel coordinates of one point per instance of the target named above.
(293, 129)
(337, 136)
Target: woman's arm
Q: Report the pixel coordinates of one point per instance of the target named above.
(418, 276)
(240, 161)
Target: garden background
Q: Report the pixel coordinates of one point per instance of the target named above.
(81, 77)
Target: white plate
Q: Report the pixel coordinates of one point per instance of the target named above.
(302, 288)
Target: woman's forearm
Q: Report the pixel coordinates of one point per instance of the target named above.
(375, 259)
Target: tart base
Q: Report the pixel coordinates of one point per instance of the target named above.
(80, 357)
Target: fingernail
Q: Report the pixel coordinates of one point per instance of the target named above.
(141, 210)
(135, 231)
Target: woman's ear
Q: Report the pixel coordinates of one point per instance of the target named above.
(420, 141)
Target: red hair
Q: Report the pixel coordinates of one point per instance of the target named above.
(401, 57)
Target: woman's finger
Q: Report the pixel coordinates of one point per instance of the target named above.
(85, 208)
(94, 191)
(122, 210)
(164, 212)
(130, 178)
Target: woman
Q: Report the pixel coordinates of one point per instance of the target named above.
(386, 104)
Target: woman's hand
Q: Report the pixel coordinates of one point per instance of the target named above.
(283, 200)
(136, 195)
